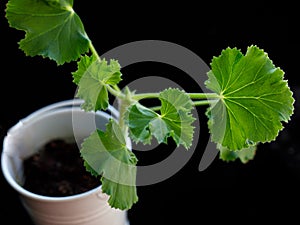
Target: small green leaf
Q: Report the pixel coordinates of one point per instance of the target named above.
(106, 154)
(52, 28)
(244, 154)
(92, 77)
(138, 118)
(174, 121)
(82, 66)
(176, 110)
(254, 99)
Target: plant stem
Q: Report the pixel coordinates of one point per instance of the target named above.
(191, 95)
(155, 108)
(203, 102)
(116, 87)
(145, 95)
(123, 104)
(115, 92)
(93, 50)
(204, 95)
(195, 103)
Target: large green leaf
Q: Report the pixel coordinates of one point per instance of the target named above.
(254, 98)
(52, 28)
(106, 154)
(175, 119)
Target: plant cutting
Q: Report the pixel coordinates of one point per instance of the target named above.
(248, 106)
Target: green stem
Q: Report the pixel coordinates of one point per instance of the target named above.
(191, 95)
(195, 103)
(203, 95)
(155, 108)
(203, 102)
(123, 104)
(116, 87)
(93, 50)
(117, 93)
(145, 95)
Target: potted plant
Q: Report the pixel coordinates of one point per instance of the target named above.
(37, 173)
(249, 103)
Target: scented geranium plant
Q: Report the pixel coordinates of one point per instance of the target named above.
(249, 103)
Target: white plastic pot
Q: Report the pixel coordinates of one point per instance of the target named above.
(60, 120)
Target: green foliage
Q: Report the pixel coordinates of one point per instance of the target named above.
(175, 119)
(251, 99)
(244, 154)
(93, 78)
(52, 28)
(107, 155)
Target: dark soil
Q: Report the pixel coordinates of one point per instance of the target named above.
(57, 170)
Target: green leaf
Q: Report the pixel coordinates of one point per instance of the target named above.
(175, 119)
(106, 154)
(138, 119)
(254, 99)
(52, 28)
(244, 154)
(176, 107)
(92, 77)
(82, 66)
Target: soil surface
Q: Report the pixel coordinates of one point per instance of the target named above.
(57, 170)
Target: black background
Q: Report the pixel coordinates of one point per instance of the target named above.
(265, 189)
